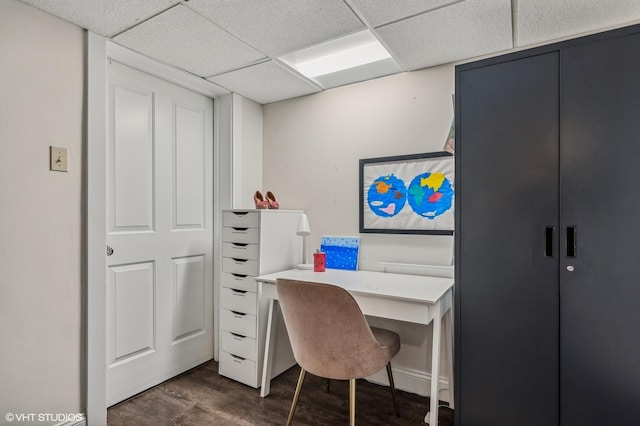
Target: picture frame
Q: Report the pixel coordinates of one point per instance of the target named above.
(407, 194)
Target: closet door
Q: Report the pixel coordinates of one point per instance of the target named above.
(506, 278)
(600, 297)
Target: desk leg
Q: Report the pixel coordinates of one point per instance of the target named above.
(268, 349)
(448, 348)
(435, 365)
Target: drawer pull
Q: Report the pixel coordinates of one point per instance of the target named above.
(240, 213)
(237, 358)
(238, 292)
(238, 336)
(239, 230)
(238, 314)
(239, 246)
(239, 261)
(239, 277)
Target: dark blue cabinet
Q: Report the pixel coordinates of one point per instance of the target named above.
(547, 260)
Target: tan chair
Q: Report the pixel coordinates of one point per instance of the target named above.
(331, 338)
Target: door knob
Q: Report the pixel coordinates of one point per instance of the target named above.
(570, 268)
(109, 251)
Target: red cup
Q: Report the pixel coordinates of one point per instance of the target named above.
(319, 262)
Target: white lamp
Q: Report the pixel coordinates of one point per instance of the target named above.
(304, 231)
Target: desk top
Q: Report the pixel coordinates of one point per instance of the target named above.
(398, 286)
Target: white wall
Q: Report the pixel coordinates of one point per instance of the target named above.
(247, 151)
(311, 150)
(41, 218)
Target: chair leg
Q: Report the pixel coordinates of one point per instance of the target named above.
(295, 396)
(393, 390)
(352, 402)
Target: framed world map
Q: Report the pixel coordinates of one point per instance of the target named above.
(407, 194)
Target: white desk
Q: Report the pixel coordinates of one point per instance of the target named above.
(411, 298)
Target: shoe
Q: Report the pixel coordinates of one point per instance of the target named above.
(261, 203)
(271, 199)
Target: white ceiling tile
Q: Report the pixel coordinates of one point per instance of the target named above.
(104, 17)
(183, 38)
(378, 12)
(276, 27)
(463, 30)
(265, 83)
(544, 20)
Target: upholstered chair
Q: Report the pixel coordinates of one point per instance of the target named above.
(331, 338)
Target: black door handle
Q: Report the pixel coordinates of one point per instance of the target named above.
(571, 241)
(548, 241)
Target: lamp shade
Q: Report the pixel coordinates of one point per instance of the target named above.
(303, 226)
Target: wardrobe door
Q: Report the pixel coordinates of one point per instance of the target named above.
(506, 276)
(600, 282)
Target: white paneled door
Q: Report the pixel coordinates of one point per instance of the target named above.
(159, 236)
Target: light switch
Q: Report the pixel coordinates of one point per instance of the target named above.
(58, 159)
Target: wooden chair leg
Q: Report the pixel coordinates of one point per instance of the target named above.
(295, 396)
(352, 402)
(393, 390)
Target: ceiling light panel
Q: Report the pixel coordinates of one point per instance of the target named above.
(276, 27)
(337, 55)
(379, 12)
(460, 31)
(544, 20)
(104, 17)
(265, 83)
(349, 59)
(183, 38)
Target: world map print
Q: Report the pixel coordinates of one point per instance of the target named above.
(429, 195)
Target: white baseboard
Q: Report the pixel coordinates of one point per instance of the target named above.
(414, 381)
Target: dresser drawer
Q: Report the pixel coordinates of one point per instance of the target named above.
(238, 300)
(241, 219)
(240, 235)
(240, 266)
(239, 281)
(238, 368)
(240, 250)
(237, 322)
(239, 345)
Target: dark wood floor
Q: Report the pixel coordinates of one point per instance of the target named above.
(202, 397)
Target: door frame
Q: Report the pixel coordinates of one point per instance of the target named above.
(94, 313)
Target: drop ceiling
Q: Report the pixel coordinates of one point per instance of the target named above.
(235, 45)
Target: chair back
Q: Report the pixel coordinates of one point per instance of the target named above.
(329, 335)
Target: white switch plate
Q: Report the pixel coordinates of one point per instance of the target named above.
(58, 159)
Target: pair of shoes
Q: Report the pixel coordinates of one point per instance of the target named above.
(269, 203)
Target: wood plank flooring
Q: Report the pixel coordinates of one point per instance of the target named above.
(202, 397)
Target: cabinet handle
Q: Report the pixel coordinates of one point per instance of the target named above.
(238, 292)
(239, 230)
(548, 241)
(238, 314)
(240, 213)
(237, 358)
(239, 277)
(239, 246)
(571, 242)
(239, 261)
(238, 336)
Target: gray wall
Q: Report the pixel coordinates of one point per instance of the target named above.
(41, 104)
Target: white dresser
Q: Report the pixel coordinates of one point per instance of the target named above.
(254, 242)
